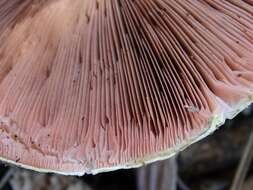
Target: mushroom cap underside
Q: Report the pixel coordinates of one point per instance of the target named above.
(93, 86)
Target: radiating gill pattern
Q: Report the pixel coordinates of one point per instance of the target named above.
(90, 84)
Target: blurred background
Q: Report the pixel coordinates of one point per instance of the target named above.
(218, 162)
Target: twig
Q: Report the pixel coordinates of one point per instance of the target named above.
(6, 178)
(244, 165)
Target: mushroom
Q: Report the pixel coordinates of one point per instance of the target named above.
(89, 86)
